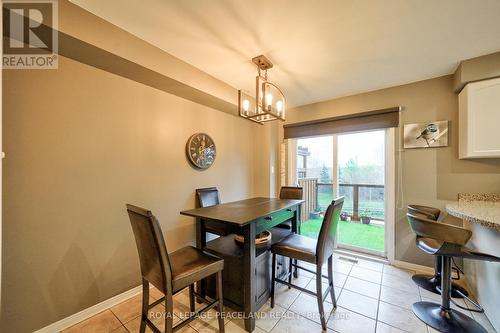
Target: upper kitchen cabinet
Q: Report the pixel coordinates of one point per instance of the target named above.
(479, 120)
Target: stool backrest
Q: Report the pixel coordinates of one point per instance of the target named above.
(291, 192)
(153, 255)
(207, 197)
(430, 212)
(326, 239)
(425, 227)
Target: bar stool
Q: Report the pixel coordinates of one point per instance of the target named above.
(171, 273)
(312, 251)
(447, 241)
(427, 281)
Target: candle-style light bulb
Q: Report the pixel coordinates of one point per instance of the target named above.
(279, 107)
(246, 106)
(269, 101)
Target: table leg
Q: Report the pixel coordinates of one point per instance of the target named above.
(249, 301)
(201, 243)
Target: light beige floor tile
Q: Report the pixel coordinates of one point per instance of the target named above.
(208, 322)
(358, 303)
(238, 326)
(301, 281)
(429, 295)
(345, 321)
(155, 293)
(339, 280)
(483, 320)
(366, 274)
(363, 287)
(268, 317)
(400, 318)
(156, 315)
(393, 270)
(129, 309)
(103, 322)
(312, 287)
(398, 297)
(384, 328)
(307, 307)
(372, 265)
(120, 329)
(293, 323)
(400, 283)
(284, 297)
(342, 267)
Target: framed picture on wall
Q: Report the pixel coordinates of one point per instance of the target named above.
(426, 135)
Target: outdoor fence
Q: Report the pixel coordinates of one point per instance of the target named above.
(360, 199)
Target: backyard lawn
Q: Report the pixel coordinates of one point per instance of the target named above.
(355, 234)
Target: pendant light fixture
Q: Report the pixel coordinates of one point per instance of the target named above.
(269, 101)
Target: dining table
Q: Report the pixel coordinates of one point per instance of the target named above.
(247, 218)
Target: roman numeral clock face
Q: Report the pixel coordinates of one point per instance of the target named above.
(200, 150)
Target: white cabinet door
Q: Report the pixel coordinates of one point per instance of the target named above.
(479, 120)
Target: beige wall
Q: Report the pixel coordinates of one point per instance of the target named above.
(430, 176)
(83, 141)
(80, 143)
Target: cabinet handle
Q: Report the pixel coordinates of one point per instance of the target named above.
(269, 218)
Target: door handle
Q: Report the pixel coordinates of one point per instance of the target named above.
(269, 218)
(289, 210)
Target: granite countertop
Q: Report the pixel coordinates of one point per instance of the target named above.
(477, 208)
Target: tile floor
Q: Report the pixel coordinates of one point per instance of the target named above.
(371, 297)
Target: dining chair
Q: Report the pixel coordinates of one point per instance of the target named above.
(207, 197)
(431, 282)
(171, 272)
(447, 241)
(293, 193)
(314, 251)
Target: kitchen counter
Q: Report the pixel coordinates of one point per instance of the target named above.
(481, 215)
(477, 208)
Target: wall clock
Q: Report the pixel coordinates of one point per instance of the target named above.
(201, 151)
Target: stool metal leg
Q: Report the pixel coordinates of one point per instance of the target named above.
(441, 316)
(432, 282)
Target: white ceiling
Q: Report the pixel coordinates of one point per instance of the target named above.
(321, 48)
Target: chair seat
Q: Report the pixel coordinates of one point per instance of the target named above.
(297, 247)
(429, 245)
(190, 264)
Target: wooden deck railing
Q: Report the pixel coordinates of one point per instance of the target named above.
(311, 189)
(355, 197)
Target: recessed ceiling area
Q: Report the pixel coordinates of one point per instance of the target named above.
(320, 49)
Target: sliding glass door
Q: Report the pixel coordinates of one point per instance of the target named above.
(352, 165)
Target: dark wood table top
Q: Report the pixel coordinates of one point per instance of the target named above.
(242, 212)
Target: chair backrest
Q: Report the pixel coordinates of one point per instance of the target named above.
(207, 197)
(153, 255)
(425, 227)
(326, 239)
(291, 192)
(430, 212)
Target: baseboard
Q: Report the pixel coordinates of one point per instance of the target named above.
(414, 267)
(89, 312)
